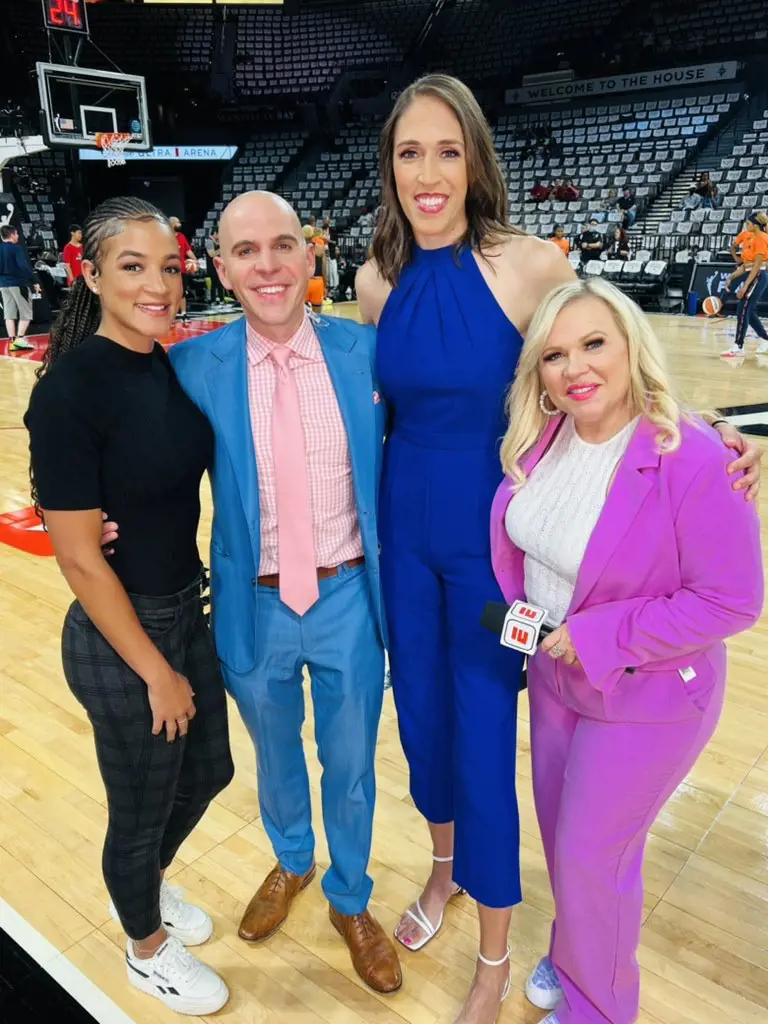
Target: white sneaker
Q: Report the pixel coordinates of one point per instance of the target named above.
(762, 350)
(178, 979)
(542, 988)
(732, 352)
(184, 921)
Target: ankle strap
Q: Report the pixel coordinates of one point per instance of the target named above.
(493, 963)
(442, 860)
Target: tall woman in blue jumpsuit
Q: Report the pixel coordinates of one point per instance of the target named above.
(451, 285)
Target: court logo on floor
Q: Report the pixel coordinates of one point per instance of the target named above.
(24, 530)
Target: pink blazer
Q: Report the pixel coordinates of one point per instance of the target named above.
(672, 568)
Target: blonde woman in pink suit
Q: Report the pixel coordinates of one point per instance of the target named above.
(618, 517)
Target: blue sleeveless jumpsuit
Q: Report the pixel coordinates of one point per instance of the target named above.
(446, 355)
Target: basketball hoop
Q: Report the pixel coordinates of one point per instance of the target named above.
(112, 145)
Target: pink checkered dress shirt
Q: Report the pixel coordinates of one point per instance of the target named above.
(334, 515)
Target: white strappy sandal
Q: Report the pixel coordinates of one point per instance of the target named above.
(499, 963)
(417, 914)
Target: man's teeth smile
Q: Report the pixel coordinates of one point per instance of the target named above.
(271, 289)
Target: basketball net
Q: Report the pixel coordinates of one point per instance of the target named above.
(112, 145)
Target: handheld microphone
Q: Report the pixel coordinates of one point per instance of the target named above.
(520, 626)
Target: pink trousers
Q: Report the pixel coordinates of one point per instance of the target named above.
(599, 783)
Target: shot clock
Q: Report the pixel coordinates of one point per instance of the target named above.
(65, 16)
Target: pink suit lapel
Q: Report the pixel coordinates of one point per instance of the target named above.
(625, 498)
(629, 490)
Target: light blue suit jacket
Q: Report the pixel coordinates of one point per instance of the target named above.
(213, 371)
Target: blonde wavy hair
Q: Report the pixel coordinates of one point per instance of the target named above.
(650, 392)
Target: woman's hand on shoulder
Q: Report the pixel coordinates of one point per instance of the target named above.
(372, 292)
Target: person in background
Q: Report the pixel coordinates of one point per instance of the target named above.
(692, 201)
(318, 283)
(628, 205)
(570, 192)
(367, 219)
(619, 247)
(213, 249)
(332, 263)
(618, 517)
(16, 278)
(72, 254)
(559, 239)
(188, 266)
(35, 242)
(591, 241)
(705, 190)
(111, 429)
(753, 283)
(540, 192)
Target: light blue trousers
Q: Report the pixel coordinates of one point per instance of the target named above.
(338, 641)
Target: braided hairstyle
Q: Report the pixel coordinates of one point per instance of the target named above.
(81, 315)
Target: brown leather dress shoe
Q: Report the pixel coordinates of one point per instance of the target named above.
(269, 908)
(373, 954)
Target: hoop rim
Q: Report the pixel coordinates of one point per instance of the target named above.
(106, 139)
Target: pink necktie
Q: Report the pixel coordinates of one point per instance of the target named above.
(295, 539)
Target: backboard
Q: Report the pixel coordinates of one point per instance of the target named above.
(78, 103)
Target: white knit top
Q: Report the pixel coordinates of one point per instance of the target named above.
(552, 516)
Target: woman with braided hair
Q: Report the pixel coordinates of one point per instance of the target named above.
(111, 429)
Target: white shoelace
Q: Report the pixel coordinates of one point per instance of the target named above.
(176, 963)
(171, 901)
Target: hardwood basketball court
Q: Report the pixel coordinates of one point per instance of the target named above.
(704, 955)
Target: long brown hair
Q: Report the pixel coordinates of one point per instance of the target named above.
(486, 203)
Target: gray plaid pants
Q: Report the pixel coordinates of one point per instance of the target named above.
(156, 791)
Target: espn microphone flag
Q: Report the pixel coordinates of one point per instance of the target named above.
(519, 627)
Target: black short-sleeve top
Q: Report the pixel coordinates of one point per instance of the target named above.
(111, 428)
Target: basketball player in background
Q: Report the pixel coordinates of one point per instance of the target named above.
(189, 265)
(316, 289)
(72, 254)
(753, 241)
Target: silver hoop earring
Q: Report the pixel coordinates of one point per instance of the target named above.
(542, 405)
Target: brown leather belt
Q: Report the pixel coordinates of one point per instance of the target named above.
(322, 572)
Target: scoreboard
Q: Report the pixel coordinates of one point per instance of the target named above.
(65, 16)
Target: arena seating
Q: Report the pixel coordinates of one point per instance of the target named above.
(479, 40)
(164, 40)
(346, 179)
(664, 32)
(291, 56)
(258, 166)
(742, 180)
(40, 183)
(640, 144)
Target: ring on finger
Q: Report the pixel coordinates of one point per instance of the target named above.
(557, 651)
